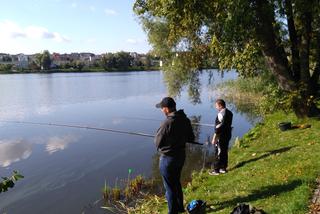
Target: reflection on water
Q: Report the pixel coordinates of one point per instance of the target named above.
(59, 143)
(65, 168)
(13, 150)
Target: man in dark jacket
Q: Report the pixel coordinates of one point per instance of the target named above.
(222, 136)
(170, 140)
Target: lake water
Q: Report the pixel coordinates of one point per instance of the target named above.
(65, 168)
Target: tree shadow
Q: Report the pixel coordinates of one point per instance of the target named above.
(262, 193)
(272, 152)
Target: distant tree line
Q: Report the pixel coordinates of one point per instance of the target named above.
(109, 61)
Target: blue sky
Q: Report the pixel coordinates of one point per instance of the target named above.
(66, 26)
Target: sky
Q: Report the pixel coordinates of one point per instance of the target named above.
(66, 26)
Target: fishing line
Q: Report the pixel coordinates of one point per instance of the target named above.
(86, 127)
(150, 119)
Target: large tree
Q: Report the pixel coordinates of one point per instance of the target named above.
(282, 36)
(44, 60)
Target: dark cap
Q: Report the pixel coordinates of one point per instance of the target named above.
(166, 102)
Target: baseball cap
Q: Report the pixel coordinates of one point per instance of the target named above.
(166, 102)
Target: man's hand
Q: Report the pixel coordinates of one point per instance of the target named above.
(215, 139)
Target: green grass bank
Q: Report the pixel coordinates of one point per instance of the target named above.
(270, 169)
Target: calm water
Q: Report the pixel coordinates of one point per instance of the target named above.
(65, 168)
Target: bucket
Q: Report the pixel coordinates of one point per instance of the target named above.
(284, 126)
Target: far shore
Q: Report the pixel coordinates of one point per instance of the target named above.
(70, 70)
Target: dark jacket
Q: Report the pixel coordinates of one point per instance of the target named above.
(173, 134)
(225, 126)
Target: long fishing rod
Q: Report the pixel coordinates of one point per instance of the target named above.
(151, 119)
(86, 127)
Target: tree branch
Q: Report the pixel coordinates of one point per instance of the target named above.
(306, 20)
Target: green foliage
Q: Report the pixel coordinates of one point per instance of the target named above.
(251, 135)
(43, 60)
(259, 94)
(5, 67)
(206, 30)
(249, 36)
(78, 65)
(106, 191)
(179, 74)
(126, 200)
(124, 61)
(9, 182)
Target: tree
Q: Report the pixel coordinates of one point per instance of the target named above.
(282, 36)
(44, 60)
(123, 60)
(108, 61)
(6, 67)
(78, 65)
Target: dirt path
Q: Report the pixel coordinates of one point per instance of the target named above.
(315, 202)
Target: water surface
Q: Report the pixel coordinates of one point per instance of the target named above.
(65, 168)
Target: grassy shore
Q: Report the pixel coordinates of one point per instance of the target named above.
(270, 169)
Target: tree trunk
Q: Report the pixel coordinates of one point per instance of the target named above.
(306, 20)
(270, 44)
(277, 60)
(316, 74)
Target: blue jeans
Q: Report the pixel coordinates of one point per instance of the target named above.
(170, 170)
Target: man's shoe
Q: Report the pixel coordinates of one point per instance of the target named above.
(223, 171)
(214, 173)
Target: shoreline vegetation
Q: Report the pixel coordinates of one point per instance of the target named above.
(270, 169)
(70, 70)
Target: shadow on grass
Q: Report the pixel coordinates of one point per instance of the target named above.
(272, 152)
(262, 193)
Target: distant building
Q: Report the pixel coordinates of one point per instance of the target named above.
(87, 58)
(23, 61)
(156, 62)
(5, 57)
(74, 56)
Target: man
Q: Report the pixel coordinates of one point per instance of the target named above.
(222, 136)
(170, 140)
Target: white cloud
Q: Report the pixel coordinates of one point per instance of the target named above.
(60, 38)
(134, 41)
(110, 12)
(74, 5)
(10, 30)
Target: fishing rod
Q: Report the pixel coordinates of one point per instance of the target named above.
(151, 119)
(86, 127)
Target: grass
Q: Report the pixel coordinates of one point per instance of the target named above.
(271, 170)
(259, 95)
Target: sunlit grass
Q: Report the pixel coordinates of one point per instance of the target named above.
(272, 170)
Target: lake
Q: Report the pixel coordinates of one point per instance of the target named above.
(65, 168)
